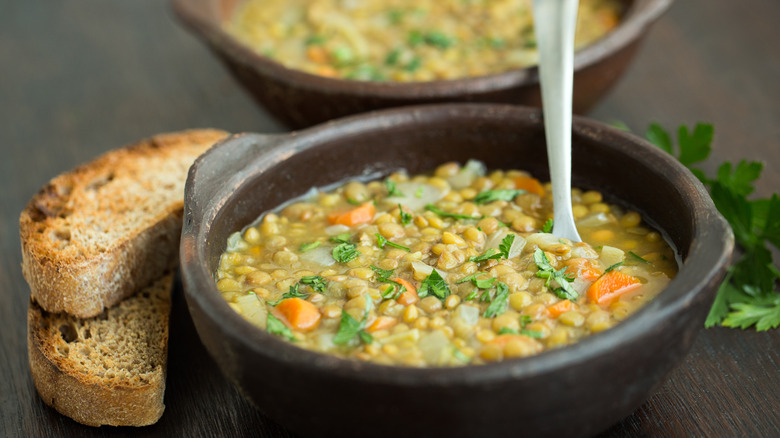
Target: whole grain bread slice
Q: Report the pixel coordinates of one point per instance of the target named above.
(95, 235)
(105, 370)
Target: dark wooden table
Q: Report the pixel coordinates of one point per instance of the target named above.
(83, 76)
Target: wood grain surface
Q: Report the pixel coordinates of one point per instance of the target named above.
(80, 77)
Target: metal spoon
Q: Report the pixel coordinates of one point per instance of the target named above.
(555, 22)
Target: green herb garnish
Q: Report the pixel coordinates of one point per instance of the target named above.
(381, 242)
(613, 267)
(349, 327)
(406, 218)
(392, 189)
(508, 331)
(276, 327)
(345, 252)
(471, 295)
(747, 296)
(341, 238)
(638, 258)
(489, 254)
(442, 213)
(435, 285)
(548, 226)
(506, 245)
(499, 303)
(532, 334)
(480, 283)
(496, 195)
(316, 282)
(564, 290)
(309, 246)
(419, 192)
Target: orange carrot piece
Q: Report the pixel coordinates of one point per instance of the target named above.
(317, 54)
(356, 216)
(610, 286)
(583, 268)
(560, 308)
(530, 185)
(410, 296)
(382, 323)
(502, 340)
(301, 314)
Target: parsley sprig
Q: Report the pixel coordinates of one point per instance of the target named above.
(564, 290)
(434, 284)
(747, 296)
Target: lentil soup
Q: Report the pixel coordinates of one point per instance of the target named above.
(453, 268)
(404, 40)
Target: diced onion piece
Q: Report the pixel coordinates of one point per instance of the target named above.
(236, 242)
(584, 251)
(324, 341)
(421, 270)
(253, 309)
(611, 255)
(594, 220)
(495, 238)
(435, 348)
(409, 335)
(471, 171)
(319, 256)
(416, 195)
(517, 246)
(469, 315)
(335, 230)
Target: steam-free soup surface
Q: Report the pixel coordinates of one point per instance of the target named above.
(404, 40)
(452, 268)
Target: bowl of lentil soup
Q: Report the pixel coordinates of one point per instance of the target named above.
(309, 62)
(605, 375)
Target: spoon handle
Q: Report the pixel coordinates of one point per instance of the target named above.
(555, 22)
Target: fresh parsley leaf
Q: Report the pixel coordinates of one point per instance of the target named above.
(435, 285)
(525, 320)
(381, 241)
(747, 296)
(348, 329)
(532, 334)
(276, 327)
(392, 189)
(541, 260)
(481, 283)
(457, 354)
(489, 254)
(295, 292)
(508, 331)
(506, 245)
(613, 267)
(341, 238)
(419, 192)
(473, 294)
(638, 258)
(564, 290)
(316, 282)
(496, 195)
(442, 213)
(499, 303)
(365, 336)
(382, 275)
(548, 226)
(309, 246)
(345, 252)
(406, 218)
(392, 292)
(486, 297)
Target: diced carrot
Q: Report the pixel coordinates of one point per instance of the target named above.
(610, 286)
(560, 308)
(301, 314)
(502, 340)
(382, 323)
(317, 54)
(530, 185)
(410, 296)
(583, 268)
(356, 216)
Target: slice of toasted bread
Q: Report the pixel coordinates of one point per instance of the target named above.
(109, 369)
(97, 234)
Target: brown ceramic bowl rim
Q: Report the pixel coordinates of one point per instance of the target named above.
(640, 15)
(705, 257)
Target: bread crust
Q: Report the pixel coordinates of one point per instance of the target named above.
(95, 395)
(96, 234)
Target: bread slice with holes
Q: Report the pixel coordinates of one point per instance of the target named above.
(108, 369)
(95, 235)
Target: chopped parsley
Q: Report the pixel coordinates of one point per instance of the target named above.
(406, 218)
(532, 334)
(506, 245)
(419, 192)
(489, 254)
(345, 252)
(471, 295)
(496, 195)
(381, 242)
(613, 267)
(638, 258)
(564, 290)
(498, 305)
(349, 327)
(480, 283)
(309, 246)
(442, 213)
(341, 238)
(316, 282)
(748, 295)
(434, 284)
(392, 189)
(383, 276)
(276, 327)
(548, 226)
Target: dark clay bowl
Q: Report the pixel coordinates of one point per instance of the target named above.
(574, 391)
(300, 99)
